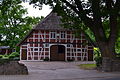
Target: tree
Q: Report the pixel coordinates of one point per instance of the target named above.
(91, 15)
(14, 24)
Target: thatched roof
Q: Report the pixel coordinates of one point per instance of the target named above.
(51, 22)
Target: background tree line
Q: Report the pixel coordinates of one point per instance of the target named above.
(14, 24)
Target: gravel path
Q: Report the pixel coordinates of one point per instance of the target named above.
(59, 71)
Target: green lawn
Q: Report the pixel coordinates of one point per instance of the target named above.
(87, 66)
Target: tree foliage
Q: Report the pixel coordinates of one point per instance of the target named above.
(14, 24)
(99, 17)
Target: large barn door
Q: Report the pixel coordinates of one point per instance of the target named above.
(57, 53)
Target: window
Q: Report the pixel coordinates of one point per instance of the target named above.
(61, 49)
(40, 49)
(35, 49)
(84, 50)
(53, 34)
(74, 50)
(62, 34)
(68, 45)
(31, 49)
(46, 45)
(78, 49)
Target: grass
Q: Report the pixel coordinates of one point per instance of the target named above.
(87, 66)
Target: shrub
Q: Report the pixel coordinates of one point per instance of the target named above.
(46, 59)
(16, 54)
(5, 57)
(98, 61)
(97, 57)
(16, 58)
(118, 55)
(11, 56)
(1, 56)
(4, 60)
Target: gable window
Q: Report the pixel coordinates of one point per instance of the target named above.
(53, 34)
(62, 34)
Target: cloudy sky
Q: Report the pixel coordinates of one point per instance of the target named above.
(36, 12)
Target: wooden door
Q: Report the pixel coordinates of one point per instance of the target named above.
(53, 53)
(24, 54)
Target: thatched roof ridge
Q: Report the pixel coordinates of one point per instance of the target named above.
(51, 22)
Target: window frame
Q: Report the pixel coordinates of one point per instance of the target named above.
(62, 34)
(36, 49)
(46, 45)
(53, 35)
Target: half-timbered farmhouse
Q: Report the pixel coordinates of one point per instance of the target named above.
(48, 40)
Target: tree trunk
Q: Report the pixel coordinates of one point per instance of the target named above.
(108, 54)
(107, 50)
(106, 64)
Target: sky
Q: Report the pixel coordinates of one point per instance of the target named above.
(36, 12)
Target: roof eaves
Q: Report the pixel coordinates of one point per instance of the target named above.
(24, 38)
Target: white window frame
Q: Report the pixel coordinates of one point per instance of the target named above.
(53, 35)
(46, 45)
(36, 49)
(68, 45)
(63, 35)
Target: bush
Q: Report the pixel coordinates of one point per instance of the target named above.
(4, 60)
(97, 57)
(98, 61)
(16, 54)
(118, 55)
(16, 59)
(1, 56)
(11, 56)
(5, 57)
(46, 59)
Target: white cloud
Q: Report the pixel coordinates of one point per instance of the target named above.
(35, 11)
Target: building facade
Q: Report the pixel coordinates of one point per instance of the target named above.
(6, 50)
(48, 40)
